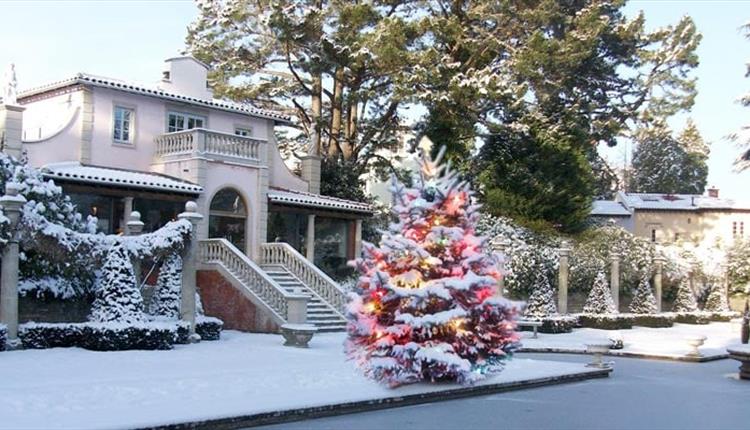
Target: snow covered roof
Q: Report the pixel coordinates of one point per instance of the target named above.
(679, 202)
(142, 89)
(74, 171)
(608, 208)
(300, 198)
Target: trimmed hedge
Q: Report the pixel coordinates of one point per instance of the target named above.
(723, 316)
(98, 336)
(606, 321)
(3, 336)
(209, 328)
(653, 320)
(692, 317)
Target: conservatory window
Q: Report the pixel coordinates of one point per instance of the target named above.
(178, 121)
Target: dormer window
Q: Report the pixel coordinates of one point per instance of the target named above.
(178, 121)
(123, 125)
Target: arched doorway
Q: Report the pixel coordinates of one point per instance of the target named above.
(228, 217)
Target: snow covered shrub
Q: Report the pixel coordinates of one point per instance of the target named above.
(606, 321)
(527, 253)
(653, 320)
(600, 299)
(542, 300)
(166, 299)
(738, 267)
(644, 301)
(717, 299)
(98, 336)
(692, 317)
(424, 308)
(558, 324)
(208, 328)
(593, 250)
(118, 298)
(685, 300)
(3, 336)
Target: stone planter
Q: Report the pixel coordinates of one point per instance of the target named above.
(298, 335)
(598, 349)
(741, 353)
(695, 343)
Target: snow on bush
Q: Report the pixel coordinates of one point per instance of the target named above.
(600, 299)
(118, 298)
(541, 303)
(685, 300)
(717, 299)
(738, 266)
(166, 299)
(644, 301)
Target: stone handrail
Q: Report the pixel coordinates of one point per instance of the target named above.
(253, 277)
(208, 142)
(283, 254)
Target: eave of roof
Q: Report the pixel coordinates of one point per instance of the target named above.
(102, 82)
(303, 199)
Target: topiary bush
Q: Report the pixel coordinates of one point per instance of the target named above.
(644, 301)
(692, 317)
(166, 299)
(541, 303)
(600, 299)
(685, 301)
(100, 336)
(118, 297)
(722, 316)
(558, 324)
(653, 320)
(209, 328)
(606, 321)
(3, 336)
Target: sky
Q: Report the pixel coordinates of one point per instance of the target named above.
(54, 39)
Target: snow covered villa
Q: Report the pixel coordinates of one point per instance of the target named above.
(117, 147)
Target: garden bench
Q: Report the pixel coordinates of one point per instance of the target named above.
(533, 324)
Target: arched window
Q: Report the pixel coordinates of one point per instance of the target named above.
(227, 217)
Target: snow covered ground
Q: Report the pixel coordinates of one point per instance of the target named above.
(238, 375)
(661, 342)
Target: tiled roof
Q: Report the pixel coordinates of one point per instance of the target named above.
(680, 202)
(74, 171)
(608, 208)
(300, 198)
(135, 88)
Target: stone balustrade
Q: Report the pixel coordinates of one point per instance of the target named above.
(200, 141)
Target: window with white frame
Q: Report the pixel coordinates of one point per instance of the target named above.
(178, 121)
(243, 131)
(122, 131)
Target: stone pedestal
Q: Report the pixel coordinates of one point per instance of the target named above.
(134, 227)
(11, 204)
(741, 353)
(298, 335)
(658, 268)
(562, 279)
(11, 129)
(187, 292)
(614, 281)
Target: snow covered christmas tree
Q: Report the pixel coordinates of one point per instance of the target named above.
(166, 300)
(117, 298)
(717, 299)
(685, 300)
(424, 307)
(600, 299)
(644, 301)
(542, 300)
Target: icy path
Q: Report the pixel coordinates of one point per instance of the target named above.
(241, 374)
(665, 342)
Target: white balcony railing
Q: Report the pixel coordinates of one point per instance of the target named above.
(199, 141)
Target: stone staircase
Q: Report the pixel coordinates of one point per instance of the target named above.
(319, 312)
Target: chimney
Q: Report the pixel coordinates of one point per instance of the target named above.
(186, 76)
(311, 171)
(11, 116)
(713, 192)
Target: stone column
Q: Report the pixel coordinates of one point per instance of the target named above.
(134, 227)
(562, 278)
(501, 246)
(614, 280)
(11, 203)
(11, 129)
(189, 264)
(725, 281)
(357, 238)
(128, 208)
(658, 268)
(310, 238)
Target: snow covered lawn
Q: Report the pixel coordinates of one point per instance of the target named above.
(658, 342)
(239, 375)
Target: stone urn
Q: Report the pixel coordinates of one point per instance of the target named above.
(741, 353)
(695, 343)
(298, 335)
(598, 349)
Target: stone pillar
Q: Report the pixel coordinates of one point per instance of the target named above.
(311, 172)
(310, 238)
(658, 268)
(11, 203)
(127, 210)
(189, 264)
(11, 129)
(501, 246)
(725, 281)
(562, 279)
(134, 227)
(357, 238)
(614, 280)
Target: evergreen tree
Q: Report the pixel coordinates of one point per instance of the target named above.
(166, 300)
(600, 299)
(117, 298)
(742, 136)
(542, 300)
(644, 301)
(424, 308)
(717, 299)
(685, 300)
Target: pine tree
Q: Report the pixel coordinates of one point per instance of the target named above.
(742, 136)
(424, 308)
(600, 299)
(542, 300)
(685, 301)
(166, 300)
(717, 299)
(117, 298)
(644, 301)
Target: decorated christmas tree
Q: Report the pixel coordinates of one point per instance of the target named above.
(717, 299)
(117, 297)
(685, 301)
(644, 301)
(425, 307)
(542, 300)
(166, 300)
(600, 299)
